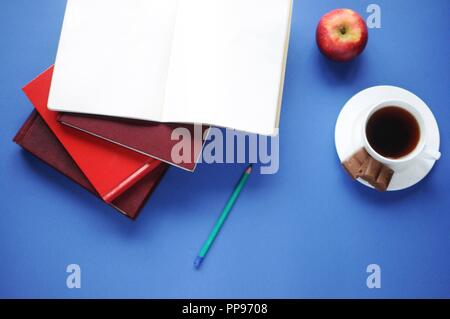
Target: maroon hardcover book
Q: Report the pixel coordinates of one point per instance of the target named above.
(35, 137)
(149, 138)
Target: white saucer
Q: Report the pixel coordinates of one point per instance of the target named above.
(350, 121)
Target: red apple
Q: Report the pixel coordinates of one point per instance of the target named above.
(342, 35)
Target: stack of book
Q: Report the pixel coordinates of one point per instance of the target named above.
(128, 73)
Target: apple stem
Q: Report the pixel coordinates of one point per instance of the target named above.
(343, 30)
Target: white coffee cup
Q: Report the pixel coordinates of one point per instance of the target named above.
(420, 151)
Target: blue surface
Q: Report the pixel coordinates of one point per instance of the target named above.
(307, 231)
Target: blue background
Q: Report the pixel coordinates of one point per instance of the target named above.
(308, 231)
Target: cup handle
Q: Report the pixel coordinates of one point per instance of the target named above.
(431, 154)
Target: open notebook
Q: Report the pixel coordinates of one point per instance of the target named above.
(218, 62)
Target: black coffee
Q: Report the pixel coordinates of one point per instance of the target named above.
(393, 132)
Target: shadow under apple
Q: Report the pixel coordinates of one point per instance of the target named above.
(340, 73)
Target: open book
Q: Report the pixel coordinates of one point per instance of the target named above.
(217, 62)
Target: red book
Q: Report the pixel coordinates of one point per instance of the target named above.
(110, 169)
(153, 139)
(35, 137)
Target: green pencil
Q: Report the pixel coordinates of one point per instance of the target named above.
(219, 223)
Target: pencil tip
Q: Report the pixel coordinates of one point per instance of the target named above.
(198, 262)
(249, 169)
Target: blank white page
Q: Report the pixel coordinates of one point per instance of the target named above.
(113, 57)
(227, 63)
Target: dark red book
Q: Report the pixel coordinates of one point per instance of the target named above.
(152, 139)
(35, 137)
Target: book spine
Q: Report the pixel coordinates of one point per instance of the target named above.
(25, 128)
(159, 173)
(130, 181)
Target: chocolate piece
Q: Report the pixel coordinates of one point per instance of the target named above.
(384, 179)
(362, 165)
(354, 163)
(377, 174)
(361, 155)
(372, 170)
